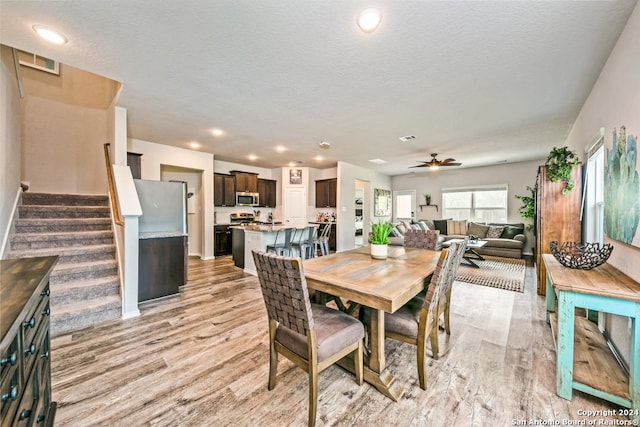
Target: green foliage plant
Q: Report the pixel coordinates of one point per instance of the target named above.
(380, 232)
(528, 208)
(427, 199)
(560, 162)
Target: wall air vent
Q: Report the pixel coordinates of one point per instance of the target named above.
(407, 138)
(39, 62)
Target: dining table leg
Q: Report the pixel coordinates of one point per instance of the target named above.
(375, 372)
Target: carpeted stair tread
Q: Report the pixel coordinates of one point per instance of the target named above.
(64, 252)
(64, 199)
(83, 271)
(46, 240)
(33, 237)
(40, 225)
(77, 315)
(82, 290)
(55, 211)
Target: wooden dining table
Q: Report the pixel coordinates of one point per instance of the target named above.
(382, 285)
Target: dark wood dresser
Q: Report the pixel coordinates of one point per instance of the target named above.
(25, 367)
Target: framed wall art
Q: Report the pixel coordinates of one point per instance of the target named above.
(622, 189)
(381, 202)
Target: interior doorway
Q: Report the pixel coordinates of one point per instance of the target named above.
(362, 212)
(195, 217)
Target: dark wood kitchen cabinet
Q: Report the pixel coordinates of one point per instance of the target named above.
(267, 192)
(25, 359)
(246, 181)
(224, 190)
(326, 193)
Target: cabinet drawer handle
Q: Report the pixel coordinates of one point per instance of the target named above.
(13, 394)
(29, 324)
(10, 360)
(46, 311)
(40, 419)
(45, 293)
(44, 355)
(26, 413)
(30, 350)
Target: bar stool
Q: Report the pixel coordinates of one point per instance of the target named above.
(305, 245)
(279, 247)
(322, 241)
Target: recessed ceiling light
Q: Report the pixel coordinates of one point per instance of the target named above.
(252, 157)
(280, 148)
(319, 158)
(194, 144)
(50, 35)
(217, 132)
(325, 145)
(369, 19)
(378, 161)
(292, 164)
(407, 138)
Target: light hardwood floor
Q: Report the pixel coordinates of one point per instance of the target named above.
(201, 359)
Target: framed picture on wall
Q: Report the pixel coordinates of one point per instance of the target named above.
(295, 176)
(381, 202)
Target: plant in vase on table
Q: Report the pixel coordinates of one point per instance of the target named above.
(380, 239)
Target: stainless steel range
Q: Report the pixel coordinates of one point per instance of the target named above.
(242, 218)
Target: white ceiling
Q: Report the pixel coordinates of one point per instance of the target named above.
(479, 81)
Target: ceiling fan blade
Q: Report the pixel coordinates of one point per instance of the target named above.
(451, 164)
(424, 165)
(449, 160)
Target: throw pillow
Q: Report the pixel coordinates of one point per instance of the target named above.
(478, 230)
(457, 227)
(395, 232)
(422, 225)
(494, 231)
(429, 224)
(441, 225)
(401, 229)
(407, 225)
(510, 232)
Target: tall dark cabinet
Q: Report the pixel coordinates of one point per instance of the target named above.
(557, 217)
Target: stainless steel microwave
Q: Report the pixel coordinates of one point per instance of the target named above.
(247, 199)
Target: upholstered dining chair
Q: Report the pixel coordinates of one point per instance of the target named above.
(427, 239)
(310, 335)
(417, 320)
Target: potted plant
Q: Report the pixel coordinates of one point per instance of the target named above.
(427, 199)
(380, 239)
(528, 208)
(559, 164)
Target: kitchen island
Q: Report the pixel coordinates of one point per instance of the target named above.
(257, 237)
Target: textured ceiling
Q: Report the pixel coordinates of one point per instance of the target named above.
(482, 81)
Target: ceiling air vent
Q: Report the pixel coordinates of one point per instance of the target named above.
(407, 138)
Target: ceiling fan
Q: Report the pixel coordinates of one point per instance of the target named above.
(435, 163)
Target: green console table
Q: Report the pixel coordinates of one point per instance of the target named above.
(584, 361)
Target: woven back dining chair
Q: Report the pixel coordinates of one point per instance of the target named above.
(417, 320)
(311, 336)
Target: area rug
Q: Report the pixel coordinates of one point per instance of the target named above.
(496, 272)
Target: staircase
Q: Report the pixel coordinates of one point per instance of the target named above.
(84, 284)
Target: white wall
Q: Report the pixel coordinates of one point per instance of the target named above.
(347, 176)
(615, 101)
(9, 143)
(516, 175)
(154, 156)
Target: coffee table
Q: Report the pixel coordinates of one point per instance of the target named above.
(470, 254)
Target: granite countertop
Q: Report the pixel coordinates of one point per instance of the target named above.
(160, 234)
(263, 228)
(322, 222)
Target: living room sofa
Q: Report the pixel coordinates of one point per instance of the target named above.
(503, 240)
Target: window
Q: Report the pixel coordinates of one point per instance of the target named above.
(479, 204)
(593, 200)
(404, 205)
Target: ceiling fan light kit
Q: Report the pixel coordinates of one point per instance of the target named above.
(435, 164)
